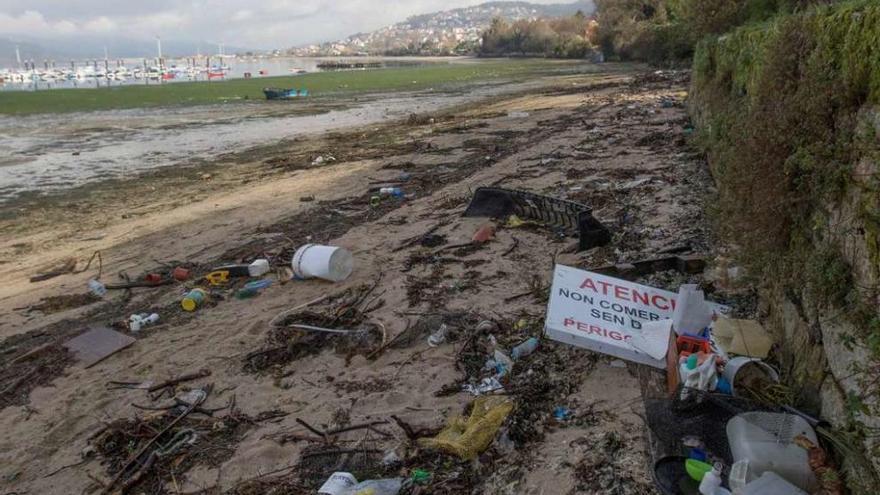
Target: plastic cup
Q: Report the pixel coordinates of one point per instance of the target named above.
(325, 262)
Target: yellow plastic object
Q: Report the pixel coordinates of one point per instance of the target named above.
(468, 437)
(193, 299)
(514, 222)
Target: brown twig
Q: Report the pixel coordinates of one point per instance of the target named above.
(511, 248)
(185, 378)
(340, 451)
(140, 452)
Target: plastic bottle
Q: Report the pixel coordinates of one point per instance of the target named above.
(391, 191)
(378, 487)
(524, 349)
(439, 336)
(253, 288)
(97, 288)
(711, 481)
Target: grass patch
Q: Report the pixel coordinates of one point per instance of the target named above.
(240, 90)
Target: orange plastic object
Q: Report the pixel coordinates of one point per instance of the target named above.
(689, 345)
(484, 233)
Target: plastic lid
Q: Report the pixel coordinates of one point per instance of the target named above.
(188, 304)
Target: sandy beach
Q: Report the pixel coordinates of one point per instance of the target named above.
(615, 139)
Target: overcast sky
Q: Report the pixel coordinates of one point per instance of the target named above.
(252, 24)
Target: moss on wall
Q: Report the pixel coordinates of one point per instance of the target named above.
(788, 110)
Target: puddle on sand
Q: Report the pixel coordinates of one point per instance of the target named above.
(47, 153)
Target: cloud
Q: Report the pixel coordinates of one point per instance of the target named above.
(275, 24)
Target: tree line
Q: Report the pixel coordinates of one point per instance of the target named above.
(564, 37)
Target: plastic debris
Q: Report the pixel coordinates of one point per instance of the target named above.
(485, 386)
(524, 349)
(439, 336)
(338, 483)
(97, 288)
(468, 437)
(691, 314)
(138, 321)
(742, 337)
(420, 476)
(484, 234)
(562, 413)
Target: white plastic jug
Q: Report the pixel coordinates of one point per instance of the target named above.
(766, 440)
(770, 483)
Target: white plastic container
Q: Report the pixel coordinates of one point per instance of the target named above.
(338, 483)
(258, 268)
(766, 440)
(325, 262)
(770, 483)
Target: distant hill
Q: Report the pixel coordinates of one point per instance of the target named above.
(448, 31)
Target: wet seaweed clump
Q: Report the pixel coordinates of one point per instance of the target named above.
(346, 329)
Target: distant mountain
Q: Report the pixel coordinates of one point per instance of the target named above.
(448, 31)
(63, 49)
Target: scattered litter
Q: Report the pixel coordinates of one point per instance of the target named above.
(486, 386)
(745, 373)
(653, 338)
(692, 315)
(97, 344)
(338, 484)
(252, 288)
(193, 299)
(96, 288)
(690, 264)
(420, 476)
(325, 262)
(258, 268)
(742, 337)
(524, 349)
(469, 437)
(571, 217)
(439, 336)
(484, 234)
(562, 413)
(138, 321)
(180, 274)
(391, 191)
(767, 441)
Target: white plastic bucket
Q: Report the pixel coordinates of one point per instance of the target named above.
(326, 262)
(733, 367)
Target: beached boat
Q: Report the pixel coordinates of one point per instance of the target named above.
(279, 93)
(283, 94)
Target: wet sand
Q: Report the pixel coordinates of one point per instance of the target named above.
(611, 140)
